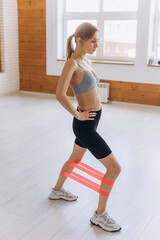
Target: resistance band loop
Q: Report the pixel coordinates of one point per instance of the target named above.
(85, 181)
(88, 183)
(92, 172)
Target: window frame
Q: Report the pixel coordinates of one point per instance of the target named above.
(156, 30)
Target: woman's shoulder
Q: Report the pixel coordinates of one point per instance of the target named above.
(71, 62)
(70, 65)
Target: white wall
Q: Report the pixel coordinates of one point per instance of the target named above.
(139, 72)
(9, 78)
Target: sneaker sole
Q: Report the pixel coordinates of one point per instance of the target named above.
(104, 228)
(68, 200)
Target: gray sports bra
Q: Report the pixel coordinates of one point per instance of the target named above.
(88, 82)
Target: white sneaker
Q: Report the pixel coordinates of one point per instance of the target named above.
(62, 194)
(105, 222)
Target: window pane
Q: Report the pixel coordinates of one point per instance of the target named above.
(120, 38)
(82, 5)
(120, 5)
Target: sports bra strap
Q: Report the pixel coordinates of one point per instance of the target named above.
(80, 65)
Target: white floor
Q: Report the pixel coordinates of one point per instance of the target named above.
(36, 138)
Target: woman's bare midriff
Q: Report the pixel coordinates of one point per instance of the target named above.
(89, 100)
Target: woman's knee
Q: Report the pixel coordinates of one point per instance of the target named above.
(112, 166)
(77, 154)
(116, 170)
(113, 171)
(76, 160)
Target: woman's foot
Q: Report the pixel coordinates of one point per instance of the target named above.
(105, 222)
(62, 194)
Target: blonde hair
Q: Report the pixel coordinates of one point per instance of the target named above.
(85, 31)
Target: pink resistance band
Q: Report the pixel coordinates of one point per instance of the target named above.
(88, 183)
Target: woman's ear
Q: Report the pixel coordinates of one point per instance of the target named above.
(79, 40)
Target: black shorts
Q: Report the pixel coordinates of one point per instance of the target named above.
(87, 136)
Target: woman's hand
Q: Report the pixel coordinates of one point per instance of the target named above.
(86, 115)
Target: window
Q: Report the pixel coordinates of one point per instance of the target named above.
(156, 38)
(116, 19)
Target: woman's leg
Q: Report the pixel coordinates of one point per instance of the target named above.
(113, 170)
(76, 156)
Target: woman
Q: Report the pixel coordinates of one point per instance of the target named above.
(78, 73)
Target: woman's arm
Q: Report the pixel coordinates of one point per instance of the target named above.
(61, 92)
(63, 84)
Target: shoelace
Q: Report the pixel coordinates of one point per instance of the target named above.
(108, 218)
(67, 192)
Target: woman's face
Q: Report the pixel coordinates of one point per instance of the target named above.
(91, 45)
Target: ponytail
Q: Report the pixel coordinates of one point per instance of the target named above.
(70, 47)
